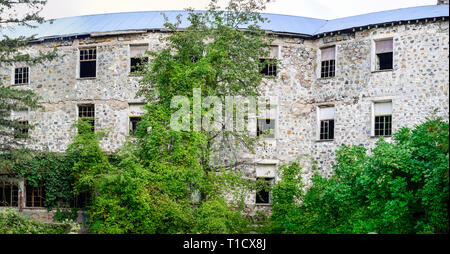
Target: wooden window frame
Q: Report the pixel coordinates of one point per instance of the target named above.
(87, 58)
(326, 131)
(34, 195)
(13, 198)
(22, 75)
(386, 129)
(86, 112)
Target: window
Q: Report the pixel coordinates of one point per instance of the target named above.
(88, 63)
(269, 64)
(21, 75)
(137, 57)
(384, 55)
(34, 196)
(383, 119)
(134, 120)
(87, 113)
(266, 128)
(326, 120)
(22, 131)
(9, 194)
(81, 200)
(263, 193)
(328, 63)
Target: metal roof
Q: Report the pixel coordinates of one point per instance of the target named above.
(153, 20)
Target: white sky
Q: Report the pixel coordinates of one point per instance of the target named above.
(323, 9)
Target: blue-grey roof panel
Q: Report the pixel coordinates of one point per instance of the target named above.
(412, 13)
(82, 25)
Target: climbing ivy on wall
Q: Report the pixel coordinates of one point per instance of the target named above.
(54, 171)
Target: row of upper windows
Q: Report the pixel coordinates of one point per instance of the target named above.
(88, 61)
(265, 127)
(381, 122)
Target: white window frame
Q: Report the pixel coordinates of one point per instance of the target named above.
(129, 53)
(319, 61)
(273, 107)
(13, 75)
(372, 129)
(373, 53)
(318, 107)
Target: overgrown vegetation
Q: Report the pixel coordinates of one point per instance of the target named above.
(398, 188)
(11, 222)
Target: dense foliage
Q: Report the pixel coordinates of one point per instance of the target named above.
(400, 187)
(11, 222)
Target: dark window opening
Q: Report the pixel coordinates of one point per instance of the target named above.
(383, 125)
(269, 67)
(34, 196)
(87, 113)
(328, 69)
(134, 120)
(326, 129)
(21, 75)
(265, 127)
(22, 131)
(9, 194)
(263, 195)
(88, 63)
(385, 61)
(138, 63)
(81, 200)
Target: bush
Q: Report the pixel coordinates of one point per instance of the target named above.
(402, 187)
(11, 222)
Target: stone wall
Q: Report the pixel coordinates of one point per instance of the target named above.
(417, 85)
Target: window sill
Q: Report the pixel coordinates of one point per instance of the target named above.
(267, 139)
(324, 140)
(328, 78)
(34, 208)
(387, 70)
(376, 137)
(93, 78)
(131, 75)
(24, 84)
(263, 204)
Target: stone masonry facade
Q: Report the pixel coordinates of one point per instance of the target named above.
(417, 84)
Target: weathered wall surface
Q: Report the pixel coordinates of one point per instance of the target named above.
(417, 85)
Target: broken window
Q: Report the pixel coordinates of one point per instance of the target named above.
(137, 57)
(326, 118)
(34, 195)
(22, 131)
(88, 63)
(9, 194)
(266, 128)
(263, 192)
(383, 119)
(87, 113)
(384, 55)
(134, 120)
(328, 62)
(269, 65)
(21, 75)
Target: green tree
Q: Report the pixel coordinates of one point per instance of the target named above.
(168, 181)
(14, 99)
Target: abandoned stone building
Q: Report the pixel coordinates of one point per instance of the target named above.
(347, 81)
